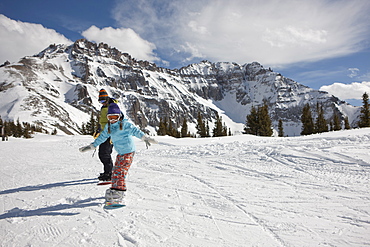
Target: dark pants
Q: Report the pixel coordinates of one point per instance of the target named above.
(105, 150)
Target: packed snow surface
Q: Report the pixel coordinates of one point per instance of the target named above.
(232, 191)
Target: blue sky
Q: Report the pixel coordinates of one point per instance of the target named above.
(323, 44)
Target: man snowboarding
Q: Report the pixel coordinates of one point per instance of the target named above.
(120, 131)
(105, 149)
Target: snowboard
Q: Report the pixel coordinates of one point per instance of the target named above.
(104, 182)
(113, 205)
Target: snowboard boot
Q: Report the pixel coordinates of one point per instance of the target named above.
(105, 177)
(114, 197)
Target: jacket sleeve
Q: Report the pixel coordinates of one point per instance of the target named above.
(135, 131)
(102, 137)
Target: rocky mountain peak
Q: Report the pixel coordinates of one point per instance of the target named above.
(65, 80)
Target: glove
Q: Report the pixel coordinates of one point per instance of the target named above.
(148, 140)
(97, 132)
(86, 148)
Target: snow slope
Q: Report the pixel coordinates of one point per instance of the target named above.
(232, 191)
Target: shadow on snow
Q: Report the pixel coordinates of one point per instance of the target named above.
(52, 210)
(49, 186)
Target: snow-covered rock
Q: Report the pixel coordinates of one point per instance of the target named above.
(58, 88)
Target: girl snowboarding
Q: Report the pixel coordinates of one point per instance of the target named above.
(120, 131)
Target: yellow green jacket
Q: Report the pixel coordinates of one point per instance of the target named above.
(103, 114)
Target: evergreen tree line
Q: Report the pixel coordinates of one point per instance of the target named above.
(258, 122)
(320, 125)
(219, 129)
(90, 127)
(202, 127)
(21, 130)
(309, 126)
(166, 128)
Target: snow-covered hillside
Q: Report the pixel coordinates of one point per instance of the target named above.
(58, 89)
(232, 191)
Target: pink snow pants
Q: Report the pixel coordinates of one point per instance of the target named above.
(120, 170)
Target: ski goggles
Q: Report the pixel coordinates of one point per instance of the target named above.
(113, 117)
(102, 101)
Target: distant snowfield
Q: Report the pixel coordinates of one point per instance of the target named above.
(232, 191)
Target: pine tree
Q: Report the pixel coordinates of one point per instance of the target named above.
(259, 122)
(224, 130)
(346, 123)
(93, 123)
(172, 131)
(217, 130)
(307, 121)
(90, 127)
(280, 128)
(202, 127)
(336, 123)
(169, 130)
(9, 127)
(83, 129)
(26, 130)
(320, 124)
(18, 130)
(87, 128)
(251, 126)
(166, 128)
(264, 121)
(1, 128)
(162, 128)
(184, 129)
(365, 112)
(199, 125)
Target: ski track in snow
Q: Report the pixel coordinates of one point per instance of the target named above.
(232, 191)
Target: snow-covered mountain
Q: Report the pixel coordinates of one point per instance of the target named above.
(58, 88)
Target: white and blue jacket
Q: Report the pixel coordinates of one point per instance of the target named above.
(122, 139)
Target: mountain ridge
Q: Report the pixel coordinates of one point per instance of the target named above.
(58, 88)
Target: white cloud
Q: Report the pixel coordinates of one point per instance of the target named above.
(19, 39)
(353, 72)
(196, 28)
(271, 32)
(354, 90)
(289, 35)
(124, 39)
(187, 47)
